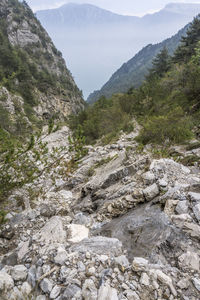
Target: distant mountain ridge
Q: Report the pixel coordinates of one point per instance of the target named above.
(73, 14)
(96, 41)
(132, 73)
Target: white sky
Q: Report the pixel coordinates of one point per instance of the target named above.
(129, 7)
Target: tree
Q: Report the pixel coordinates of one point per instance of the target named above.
(160, 64)
(188, 42)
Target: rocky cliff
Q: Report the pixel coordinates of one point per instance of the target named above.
(35, 83)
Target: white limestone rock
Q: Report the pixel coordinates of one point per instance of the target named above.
(77, 233)
(106, 292)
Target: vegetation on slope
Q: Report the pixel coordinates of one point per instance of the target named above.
(132, 73)
(30, 66)
(167, 104)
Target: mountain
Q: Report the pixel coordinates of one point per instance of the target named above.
(97, 41)
(132, 73)
(78, 15)
(34, 82)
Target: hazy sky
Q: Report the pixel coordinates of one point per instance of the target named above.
(130, 7)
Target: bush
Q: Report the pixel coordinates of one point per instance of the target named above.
(172, 128)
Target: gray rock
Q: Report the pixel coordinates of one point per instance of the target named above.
(139, 264)
(183, 283)
(196, 211)
(144, 279)
(162, 183)
(55, 292)
(41, 297)
(71, 291)
(151, 192)
(19, 272)
(61, 256)
(26, 289)
(99, 245)
(182, 207)
(189, 260)
(194, 196)
(32, 276)
(131, 295)
(122, 261)
(46, 285)
(24, 249)
(140, 230)
(53, 231)
(81, 266)
(6, 282)
(47, 210)
(196, 282)
(10, 260)
(149, 178)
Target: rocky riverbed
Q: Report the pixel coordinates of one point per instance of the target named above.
(124, 225)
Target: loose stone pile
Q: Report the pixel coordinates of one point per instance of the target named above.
(123, 226)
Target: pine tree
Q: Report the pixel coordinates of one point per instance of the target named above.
(160, 64)
(189, 42)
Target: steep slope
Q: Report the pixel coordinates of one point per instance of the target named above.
(35, 83)
(132, 73)
(97, 41)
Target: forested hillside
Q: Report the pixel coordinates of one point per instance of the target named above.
(34, 82)
(132, 73)
(167, 104)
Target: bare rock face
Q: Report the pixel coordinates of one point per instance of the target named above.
(25, 32)
(140, 231)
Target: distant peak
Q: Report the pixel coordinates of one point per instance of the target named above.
(176, 5)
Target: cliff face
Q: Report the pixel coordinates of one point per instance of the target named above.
(33, 68)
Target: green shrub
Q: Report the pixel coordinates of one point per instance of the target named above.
(172, 128)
